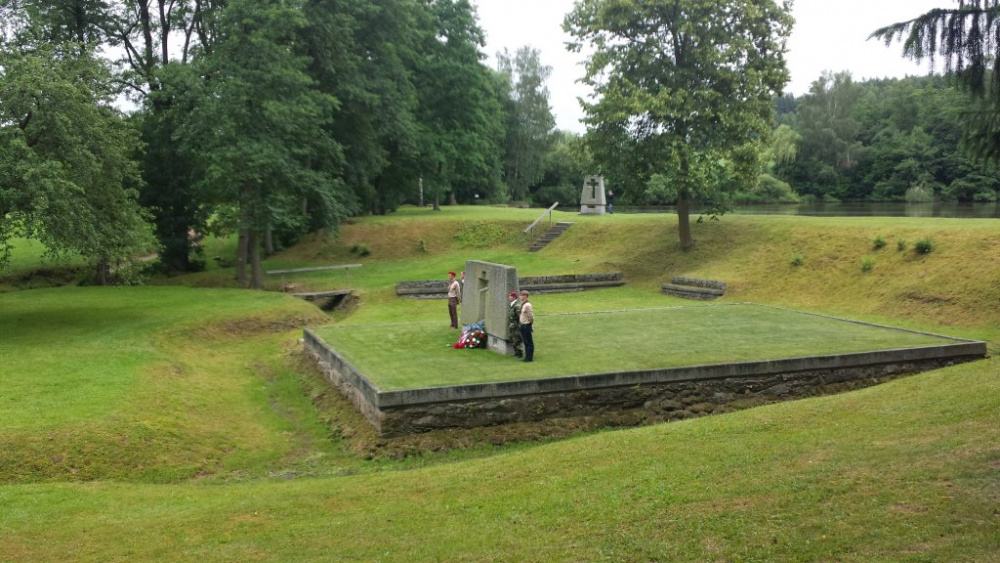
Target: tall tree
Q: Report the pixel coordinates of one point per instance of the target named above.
(460, 124)
(680, 84)
(259, 133)
(530, 122)
(363, 53)
(68, 175)
(826, 120)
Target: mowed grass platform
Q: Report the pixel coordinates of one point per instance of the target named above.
(396, 356)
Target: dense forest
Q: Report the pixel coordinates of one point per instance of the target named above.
(882, 140)
(135, 126)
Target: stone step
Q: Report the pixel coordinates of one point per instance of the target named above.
(549, 236)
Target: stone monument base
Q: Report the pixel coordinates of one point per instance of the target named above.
(499, 345)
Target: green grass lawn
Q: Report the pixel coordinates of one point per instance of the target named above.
(410, 355)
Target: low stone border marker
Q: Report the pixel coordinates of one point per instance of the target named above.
(438, 289)
(693, 288)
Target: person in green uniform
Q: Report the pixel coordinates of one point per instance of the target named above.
(514, 323)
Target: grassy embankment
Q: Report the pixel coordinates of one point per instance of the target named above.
(182, 410)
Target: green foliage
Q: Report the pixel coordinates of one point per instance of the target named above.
(566, 165)
(797, 260)
(924, 245)
(460, 119)
(67, 171)
(529, 119)
(362, 249)
(900, 245)
(681, 86)
(867, 263)
(878, 242)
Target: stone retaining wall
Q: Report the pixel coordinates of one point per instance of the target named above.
(438, 289)
(647, 394)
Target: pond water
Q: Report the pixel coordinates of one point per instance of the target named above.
(849, 209)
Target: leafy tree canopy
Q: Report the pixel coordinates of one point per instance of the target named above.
(680, 85)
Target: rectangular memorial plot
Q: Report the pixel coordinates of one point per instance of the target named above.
(399, 373)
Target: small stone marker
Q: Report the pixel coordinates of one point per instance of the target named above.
(593, 198)
(484, 298)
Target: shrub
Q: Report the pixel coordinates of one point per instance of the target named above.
(797, 260)
(901, 245)
(924, 245)
(867, 263)
(879, 242)
(361, 249)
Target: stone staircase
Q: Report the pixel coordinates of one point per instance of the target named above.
(549, 236)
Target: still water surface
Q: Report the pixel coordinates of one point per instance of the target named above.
(850, 209)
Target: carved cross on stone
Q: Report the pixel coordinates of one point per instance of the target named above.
(593, 188)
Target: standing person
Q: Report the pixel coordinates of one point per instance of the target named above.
(454, 297)
(514, 323)
(527, 319)
(611, 202)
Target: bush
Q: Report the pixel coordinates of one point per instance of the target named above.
(867, 263)
(901, 245)
(879, 242)
(361, 249)
(797, 260)
(924, 246)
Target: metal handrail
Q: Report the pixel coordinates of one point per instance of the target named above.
(548, 212)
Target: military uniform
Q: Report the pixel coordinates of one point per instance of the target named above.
(514, 326)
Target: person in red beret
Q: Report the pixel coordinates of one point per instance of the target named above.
(514, 323)
(454, 298)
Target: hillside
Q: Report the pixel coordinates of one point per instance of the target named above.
(179, 423)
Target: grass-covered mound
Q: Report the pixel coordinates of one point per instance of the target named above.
(410, 355)
(150, 384)
(195, 427)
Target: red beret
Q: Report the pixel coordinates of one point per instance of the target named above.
(513, 294)
(451, 272)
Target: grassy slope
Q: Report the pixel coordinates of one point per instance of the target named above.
(905, 471)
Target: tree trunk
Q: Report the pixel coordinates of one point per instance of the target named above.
(684, 220)
(103, 269)
(420, 185)
(437, 202)
(269, 243)
(256, 272)
(241, 259)
(451, 198)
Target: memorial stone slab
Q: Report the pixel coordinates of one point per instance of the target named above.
(484, 298)
(593, 198)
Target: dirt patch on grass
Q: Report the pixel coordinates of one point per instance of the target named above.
(246, 327)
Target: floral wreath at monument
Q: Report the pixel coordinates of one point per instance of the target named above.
(473, 336)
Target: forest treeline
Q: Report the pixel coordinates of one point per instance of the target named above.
(879, 140)
(271, 118)
(130, 125)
